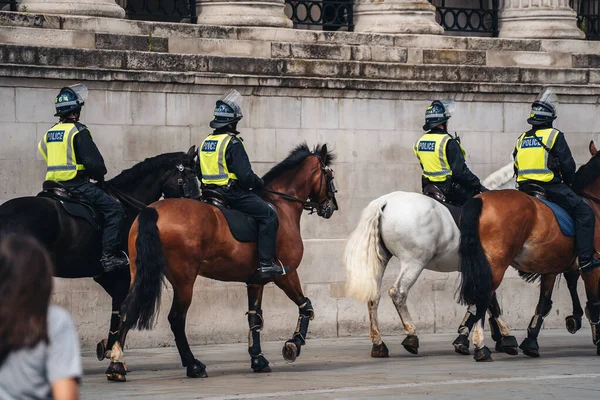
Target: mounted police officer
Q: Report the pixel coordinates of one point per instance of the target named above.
(442, 157)
(225, 167)
(542, 156)
(73, 158)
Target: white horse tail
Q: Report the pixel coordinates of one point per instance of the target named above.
(365, 255)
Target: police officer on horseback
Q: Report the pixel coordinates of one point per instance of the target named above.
(72, 159)
(442, 157)
(542, 157)
(225, 168)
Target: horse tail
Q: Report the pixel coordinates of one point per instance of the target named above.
(476, 273)
(365, 255)
(143, 302)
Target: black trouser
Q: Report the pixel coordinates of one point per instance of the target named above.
(266, 217)
(111, 209)
(581, 212)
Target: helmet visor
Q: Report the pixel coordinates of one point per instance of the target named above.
(547, 98)
(234, 99)
(449, 106)
(81, 91)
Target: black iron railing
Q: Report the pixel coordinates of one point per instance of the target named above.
(476, 16)
(13, 4)
(161, 10)
(588, 17)
(331, 15)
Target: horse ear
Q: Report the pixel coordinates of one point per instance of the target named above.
(593, 149)
(192, 151)
(324, 153)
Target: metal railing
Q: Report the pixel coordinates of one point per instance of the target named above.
(161, 10)
(13, 5)
(331, 15)
(588, 17)
(476, 16)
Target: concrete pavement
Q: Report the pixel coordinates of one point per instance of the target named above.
(343, 369)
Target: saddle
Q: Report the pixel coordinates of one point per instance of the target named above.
(564, 220)
(436, 193)
(74, 204)
(243, 227)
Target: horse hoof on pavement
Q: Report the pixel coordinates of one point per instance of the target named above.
(530, 347)
(196, 370)
(116, 372)
(411, 344)
(260, 364)
(290, 351)
(101, 349)
(573, 323)
(461, 345)
(483, 354)
(380, 351)
(508, 345)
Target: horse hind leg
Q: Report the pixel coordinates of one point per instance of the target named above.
(409, 274)
(530, 345)
(505, 342)
(573, 322)
(379, 349)
(258, 362)
(182, 298)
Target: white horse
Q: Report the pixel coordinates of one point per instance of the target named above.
(422, 234)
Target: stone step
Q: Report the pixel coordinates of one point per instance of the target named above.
(265, 67)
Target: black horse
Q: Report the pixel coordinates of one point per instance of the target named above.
(75, 244)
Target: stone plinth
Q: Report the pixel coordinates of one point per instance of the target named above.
(243, 13)
(537, 19)
(396, 16)
(96, 8)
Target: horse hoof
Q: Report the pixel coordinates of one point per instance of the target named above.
(196, 370)
(290, 351)
(411, 344)
(508, 345)
(573, 323)
(380, 351)
(530, 347)
(260, 364)
(483, 355)
(116, 372)
(101, 349)
(461, 345)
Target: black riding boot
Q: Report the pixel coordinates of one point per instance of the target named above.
(588, 266)
(270, 270)
(113, 261)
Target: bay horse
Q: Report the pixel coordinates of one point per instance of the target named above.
(422, 234)
(75, 245)
(181, 239)
(508, 227)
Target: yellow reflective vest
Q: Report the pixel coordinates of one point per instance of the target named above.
(531, 160)
(57, 148)
(430, 149)
(212, 160)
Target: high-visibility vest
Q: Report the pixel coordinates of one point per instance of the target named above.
(531, 160)
(212, 160)
(430, 149)
(57, 148)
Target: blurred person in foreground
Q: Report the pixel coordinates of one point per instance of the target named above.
(39, 347)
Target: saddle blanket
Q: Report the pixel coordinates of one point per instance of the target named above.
(565, 222)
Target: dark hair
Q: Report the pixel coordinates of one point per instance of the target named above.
(25, 288)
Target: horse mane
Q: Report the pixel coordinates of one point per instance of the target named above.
(143, 168)
(295, 158)
(587, 173)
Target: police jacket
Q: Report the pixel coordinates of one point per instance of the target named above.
(461, 174)
(566, 172)
(238, 162)
(87, 153)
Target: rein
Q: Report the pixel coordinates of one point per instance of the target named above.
(307, 204)
(124, 197)
(590, 197)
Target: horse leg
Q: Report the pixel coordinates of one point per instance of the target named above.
(461, 343)
(505, 342)
(482, 353)
(530, 345)
(290, 284)
(592, 308)
(573, 322)
(258, 362)
(379, 348)
(399, 293)
(182, 298)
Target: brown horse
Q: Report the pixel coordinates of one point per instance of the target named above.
(187, 238)
(508, 227)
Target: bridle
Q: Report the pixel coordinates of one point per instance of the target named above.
(324, 207)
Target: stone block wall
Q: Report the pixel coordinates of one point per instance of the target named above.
(372, 135)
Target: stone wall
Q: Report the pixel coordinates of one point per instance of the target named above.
(372, 134)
